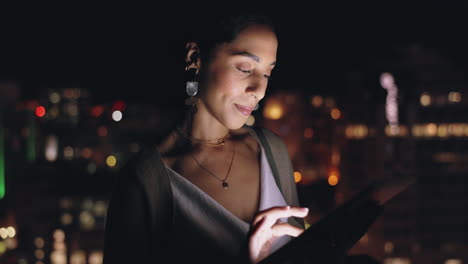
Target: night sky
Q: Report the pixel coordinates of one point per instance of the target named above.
(134, 51)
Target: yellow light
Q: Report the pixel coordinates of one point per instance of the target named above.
(454, 97)
(95, 257)
(431, 129)
(297, 176)
(111, 161)
(11, 231)
(335, 113)
(273, 110)
(442, 131)
(59, 235)
(425, 99)
(308, 132)
(316, 101)
(333, 180)
(3, 247)
(250, 120)
(3, 233)
(58, 257)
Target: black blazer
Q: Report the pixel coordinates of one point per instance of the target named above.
(140, 210)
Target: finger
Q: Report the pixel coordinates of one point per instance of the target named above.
(274, 213)
(282, 229)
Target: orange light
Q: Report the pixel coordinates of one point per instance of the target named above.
(40, 111)
(297, 176)
(335, 113)
(333, 180)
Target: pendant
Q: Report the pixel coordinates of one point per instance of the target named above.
(225, 185)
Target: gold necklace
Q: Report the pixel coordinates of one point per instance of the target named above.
(219, 141)
(224, 182)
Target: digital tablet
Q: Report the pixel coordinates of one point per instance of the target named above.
(334, 234)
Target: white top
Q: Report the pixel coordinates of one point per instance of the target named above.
(204, 226)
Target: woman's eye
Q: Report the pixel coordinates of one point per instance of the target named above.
(243, 70)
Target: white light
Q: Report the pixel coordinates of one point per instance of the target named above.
(51, 150)
(3, 233)
(391, 106)
(54, 97)
(11, 231)
(117, 116)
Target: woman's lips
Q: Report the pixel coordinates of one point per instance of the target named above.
(245, 110)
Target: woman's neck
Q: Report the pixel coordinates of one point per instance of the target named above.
(202, 125)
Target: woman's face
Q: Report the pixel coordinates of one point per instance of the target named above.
(237, 75)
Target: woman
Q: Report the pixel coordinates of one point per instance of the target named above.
(213, 190)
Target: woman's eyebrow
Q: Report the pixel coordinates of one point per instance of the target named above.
(251, 56)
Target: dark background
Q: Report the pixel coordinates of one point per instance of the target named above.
(135, 51)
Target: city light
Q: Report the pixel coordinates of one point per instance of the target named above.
(3, 247)
(273, 110)
(3, 233)
(454, 97)
(335, 113)
(51, 149)
(333, 180)
(117, 115)
(425, 99)
(297, 176)
(333, 177)
(54, 97)
(39, 254)
(78, 257)
(39, 242)
(68, 152)
(40, 111)
(111, 161)
(316, 101)
(97, 111)
(11, 231)
(118, 106)
(356, 131)
(95, 257)
(391, 105)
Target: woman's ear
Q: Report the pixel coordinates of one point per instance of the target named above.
(192, 58)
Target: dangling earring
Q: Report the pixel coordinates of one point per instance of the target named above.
(191, 88)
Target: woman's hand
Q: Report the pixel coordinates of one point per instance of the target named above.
(267, 228)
